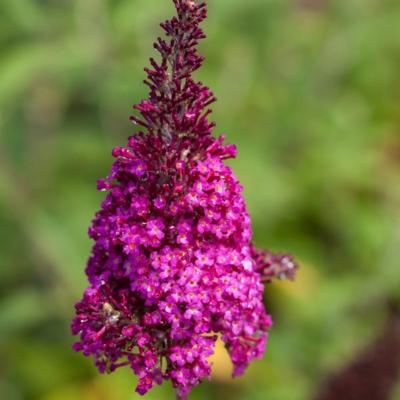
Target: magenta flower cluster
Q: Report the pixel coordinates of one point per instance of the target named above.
(173, 266)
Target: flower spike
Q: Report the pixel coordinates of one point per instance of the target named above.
(173, 266)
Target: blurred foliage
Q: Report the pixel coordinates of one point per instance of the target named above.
(310, 92)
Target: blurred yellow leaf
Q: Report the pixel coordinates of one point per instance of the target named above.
(221, 363)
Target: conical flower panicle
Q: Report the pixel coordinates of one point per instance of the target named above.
(173, 265)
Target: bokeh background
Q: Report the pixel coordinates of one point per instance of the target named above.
(309, 90)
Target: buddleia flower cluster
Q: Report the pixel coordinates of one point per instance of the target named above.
(173, 266)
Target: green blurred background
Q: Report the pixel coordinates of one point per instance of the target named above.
(310, 93)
